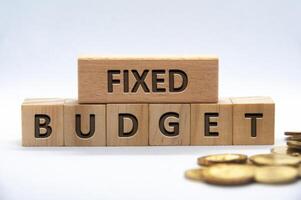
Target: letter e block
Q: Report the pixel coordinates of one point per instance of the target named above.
(169, 124)
(127, 124)
(42, 122)
(84, 124)
(253, 120)
(211, 124)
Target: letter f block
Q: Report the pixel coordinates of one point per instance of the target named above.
(42, 122)
(253, 120)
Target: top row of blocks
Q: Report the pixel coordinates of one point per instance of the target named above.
(148, 80)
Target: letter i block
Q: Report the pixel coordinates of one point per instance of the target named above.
(253, 120)
(84, 124)
(42, 122)
(127, 124)
(169, 124)
(211, 124)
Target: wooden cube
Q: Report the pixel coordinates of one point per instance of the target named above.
(169, 124)
(253, 120)
(147, 79)
(84, 124)
(127, 124)
(211, 124)
(42, 122)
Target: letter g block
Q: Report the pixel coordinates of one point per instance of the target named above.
(42, 122)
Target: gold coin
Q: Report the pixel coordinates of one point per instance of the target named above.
(195, 174)
(275, 159)
(276, 174)
(229, 174)
(294, 138)
(300, 171)
(294, 144)
(222, 158)
(285, 150)
(293, 133)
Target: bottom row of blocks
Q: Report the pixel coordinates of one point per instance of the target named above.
(231, 121)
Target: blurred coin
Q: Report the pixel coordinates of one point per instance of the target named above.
(294, 144)
(300, 171)
(275, 159)
(195, 174)
(285, 150)
(229, 174)
(275, 174)
(293, 133)
(222, 158)
(294, 138)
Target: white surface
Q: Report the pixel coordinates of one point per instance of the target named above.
(259, 46)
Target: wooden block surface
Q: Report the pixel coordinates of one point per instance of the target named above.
(253, 120)
(211, 124)
(169, 124)
(147, 79)
(127, 124)
(42, 122)
(84, 125)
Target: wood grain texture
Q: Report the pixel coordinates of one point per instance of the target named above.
(242, 131)
(202, 73)
(157, 111)
(53, 108)
(140, 111)
(223, 127)
(89, 113)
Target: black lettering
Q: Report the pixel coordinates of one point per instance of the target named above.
(175, 125)
(112, 81)
(140, 81)
(156, 80)
(183, 86)
(79, 133)
(44, 125)
(121, 131)
(208, 124)
(254, 117)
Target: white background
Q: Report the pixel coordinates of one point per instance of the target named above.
(259, 46)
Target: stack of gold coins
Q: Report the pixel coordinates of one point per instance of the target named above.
(238, 169)
(293, 141)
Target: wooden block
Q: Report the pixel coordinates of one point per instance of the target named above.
(169, 124)
(145, 80)
(253, 120)
(42, 122)
(127, 124)
(211, 124)
(84, 125)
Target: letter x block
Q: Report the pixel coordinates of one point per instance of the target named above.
(253, 120)
(169, 124)
(42, 122)
(84, 124)
(127, 124)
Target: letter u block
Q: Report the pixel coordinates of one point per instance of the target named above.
(84, 124)
(169, 124)
(42, 122)
(127, 124)
(253, 120)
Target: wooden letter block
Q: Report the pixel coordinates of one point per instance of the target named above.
(146, 80)
(42, 122)
(127, 124)
(253, 120)
(84, 125)
(169, 124)
(211, 124)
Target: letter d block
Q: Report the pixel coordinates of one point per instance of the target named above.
(84, 124)
(42, 122)
(169, 124)
(253, 120)
(127, 124)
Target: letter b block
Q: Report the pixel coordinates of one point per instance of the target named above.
(127, 124)
(169, 124)
(253, 120)
(42, 122)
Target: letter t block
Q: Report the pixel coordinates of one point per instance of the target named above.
(253, 120)
(42, 122)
